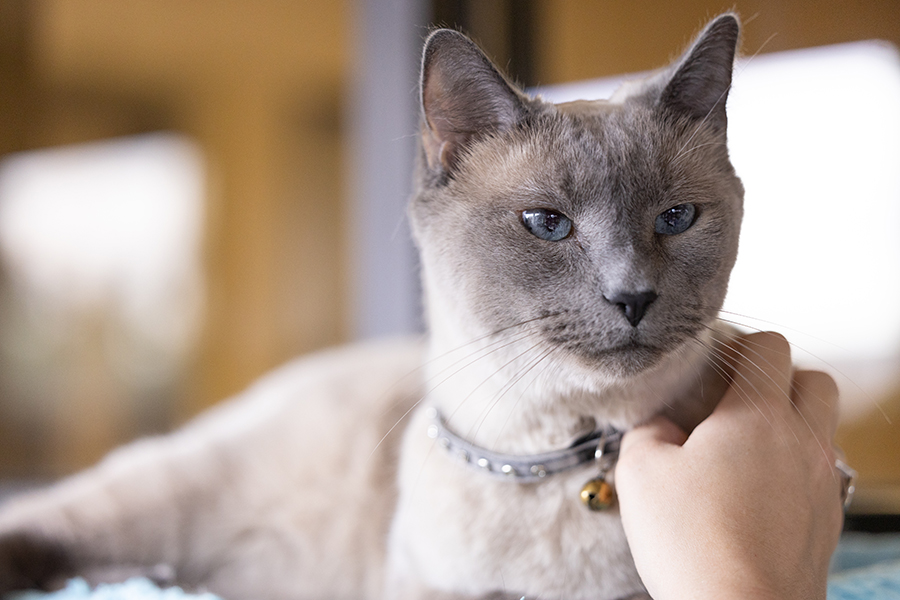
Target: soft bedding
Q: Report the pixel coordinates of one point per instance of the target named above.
(866, 566)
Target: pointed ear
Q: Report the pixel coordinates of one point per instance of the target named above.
(463, 98)
(702, 78)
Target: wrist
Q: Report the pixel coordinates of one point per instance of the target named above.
(724, 583)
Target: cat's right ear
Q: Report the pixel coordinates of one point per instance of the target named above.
(702, 78)
(463, 98)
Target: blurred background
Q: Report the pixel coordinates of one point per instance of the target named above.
(194, 191)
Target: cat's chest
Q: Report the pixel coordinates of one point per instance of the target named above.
(457, 525)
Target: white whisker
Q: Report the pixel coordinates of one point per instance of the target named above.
(530, 368)
(868, 397)
(471, 357)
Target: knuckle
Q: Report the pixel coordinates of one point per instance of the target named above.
(772, 339)
(820, 383)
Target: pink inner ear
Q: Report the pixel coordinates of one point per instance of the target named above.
(463, 97)
(432, 142)
(436, 149)
(439, 137)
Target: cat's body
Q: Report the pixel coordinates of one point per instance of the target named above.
(574, 258)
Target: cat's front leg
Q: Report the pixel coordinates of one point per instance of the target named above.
(133, 512)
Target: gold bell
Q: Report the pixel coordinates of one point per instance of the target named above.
(597, 494)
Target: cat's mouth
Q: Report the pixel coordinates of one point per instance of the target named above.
(621, 354)
(632, 349)
(622, 360)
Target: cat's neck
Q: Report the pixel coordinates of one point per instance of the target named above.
(498, 396)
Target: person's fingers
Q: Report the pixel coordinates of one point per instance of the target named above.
(815, 395)
(763, 371)
(645, 452)
(658, 431)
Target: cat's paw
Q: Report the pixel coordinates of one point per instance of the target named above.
(27, 562)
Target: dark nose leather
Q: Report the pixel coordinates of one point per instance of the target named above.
(633, 305)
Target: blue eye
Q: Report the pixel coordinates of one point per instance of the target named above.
(547, 224)
(676, 220)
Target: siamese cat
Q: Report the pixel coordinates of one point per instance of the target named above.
(574, 258)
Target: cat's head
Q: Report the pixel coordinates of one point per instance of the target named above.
(601, 232)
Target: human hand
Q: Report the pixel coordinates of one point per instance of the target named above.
(748, 505)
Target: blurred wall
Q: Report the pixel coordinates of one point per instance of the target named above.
(584, 39)
(259, 85)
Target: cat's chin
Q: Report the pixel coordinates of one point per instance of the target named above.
(623, 362)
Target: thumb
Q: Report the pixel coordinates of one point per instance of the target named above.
(659, 431)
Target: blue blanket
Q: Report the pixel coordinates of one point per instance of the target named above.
(137, 588)
(866, 566)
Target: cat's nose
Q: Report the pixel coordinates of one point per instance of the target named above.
(633, 305)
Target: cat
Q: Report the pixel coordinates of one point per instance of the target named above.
(574, 258)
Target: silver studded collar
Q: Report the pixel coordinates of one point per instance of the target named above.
(601, 445)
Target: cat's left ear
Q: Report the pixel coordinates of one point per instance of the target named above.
(702, 78)
(464, 97)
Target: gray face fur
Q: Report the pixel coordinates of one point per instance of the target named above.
(489, 153)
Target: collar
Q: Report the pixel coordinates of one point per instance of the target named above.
(601, 445)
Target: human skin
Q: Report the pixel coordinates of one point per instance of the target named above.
(748, 505)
